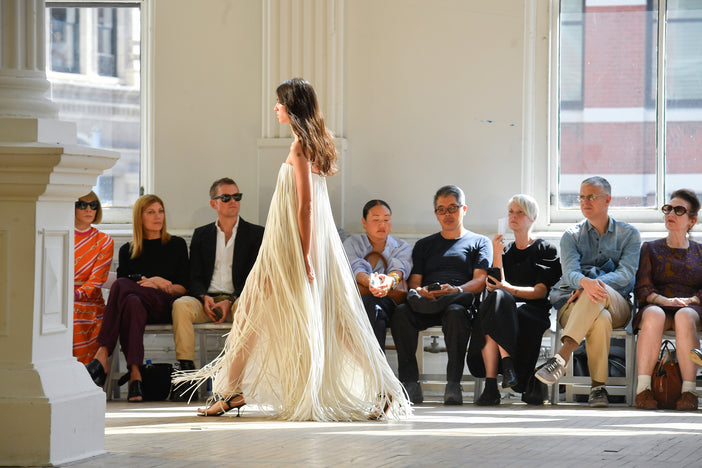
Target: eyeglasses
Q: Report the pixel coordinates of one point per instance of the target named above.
(226, 198)
(678, 210)
(450, 209)
(82, 205)
(591, 198)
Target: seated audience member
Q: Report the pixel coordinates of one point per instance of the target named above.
(152, 272)
(92, 260)
(506, 335)
(448, 272)
(378, 252)
(221, 256)
(599, 257)
(668, 289)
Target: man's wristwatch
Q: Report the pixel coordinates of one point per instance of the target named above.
(460, 289)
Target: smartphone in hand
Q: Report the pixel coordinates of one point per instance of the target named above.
(495, 273)
(135, 276)
(218, 312)
(433, 286)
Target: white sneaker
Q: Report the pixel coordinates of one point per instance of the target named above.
(553, 370)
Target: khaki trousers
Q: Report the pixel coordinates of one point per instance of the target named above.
(594, 322)
(188, 310)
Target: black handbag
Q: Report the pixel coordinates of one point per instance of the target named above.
(536, 391)
(156, 380)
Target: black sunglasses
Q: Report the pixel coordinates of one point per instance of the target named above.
(678, 210)
(82, 205)
(226, 198)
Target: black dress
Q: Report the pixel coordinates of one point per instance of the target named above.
(517, 328)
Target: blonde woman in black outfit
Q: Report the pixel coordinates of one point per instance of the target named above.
(507, 330)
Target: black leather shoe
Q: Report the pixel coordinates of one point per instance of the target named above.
(509, 377)
(414, 392)
(183, 392)
(488, 399)
(453, 394)
(186, 365)
(97, 372)
(136, 391)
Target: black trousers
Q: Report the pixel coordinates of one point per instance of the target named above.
(455, 323)
(516, 328)
(379, 310)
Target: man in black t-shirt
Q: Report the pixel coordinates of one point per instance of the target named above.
(449, 271)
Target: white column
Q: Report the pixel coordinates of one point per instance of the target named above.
(23, 85)
(50, 409)
(305, 39)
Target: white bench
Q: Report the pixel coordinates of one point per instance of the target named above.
(202, 332)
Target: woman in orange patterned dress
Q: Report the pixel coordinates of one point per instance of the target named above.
(93, 256)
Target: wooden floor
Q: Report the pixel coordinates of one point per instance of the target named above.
(512, 435)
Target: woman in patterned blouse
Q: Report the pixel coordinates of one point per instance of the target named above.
(668, 289)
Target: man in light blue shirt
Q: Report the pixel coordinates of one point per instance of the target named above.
(599, 257)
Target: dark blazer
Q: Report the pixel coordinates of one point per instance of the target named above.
(203, 248)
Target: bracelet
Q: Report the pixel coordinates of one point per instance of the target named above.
(396, 279)
(655, 296)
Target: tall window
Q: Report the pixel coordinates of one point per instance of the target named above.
(107, 41)
(629, 100)
(94, 70)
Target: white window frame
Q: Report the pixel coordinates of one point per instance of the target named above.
(644, 218)
(121, 217)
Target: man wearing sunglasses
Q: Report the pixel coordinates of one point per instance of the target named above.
(449, 271)
(599, 256)
(221, 256)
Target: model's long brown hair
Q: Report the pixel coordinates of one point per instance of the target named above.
(307, 122)
(136, 246)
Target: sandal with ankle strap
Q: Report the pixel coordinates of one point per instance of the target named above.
(378, 413)
(228, 402)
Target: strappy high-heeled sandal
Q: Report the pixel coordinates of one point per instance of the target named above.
(228, 402)
(376, 413)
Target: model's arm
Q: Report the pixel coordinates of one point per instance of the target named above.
(303, 185)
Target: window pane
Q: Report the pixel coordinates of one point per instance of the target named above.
(65, 40)
(611, 130)
(106, 110)
(683, 96)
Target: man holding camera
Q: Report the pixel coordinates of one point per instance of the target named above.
(449, 271)
(221, 256)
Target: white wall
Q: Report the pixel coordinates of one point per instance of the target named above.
(207, 89)
(433, 95)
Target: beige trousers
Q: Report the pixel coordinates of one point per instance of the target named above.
(594, 322)
(188, 310)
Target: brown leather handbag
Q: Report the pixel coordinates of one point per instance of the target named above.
(399, 294)
(666, 381)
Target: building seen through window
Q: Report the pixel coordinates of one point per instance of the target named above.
(619, 114)
(94, 68)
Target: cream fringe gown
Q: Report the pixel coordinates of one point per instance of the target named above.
(313, 355)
